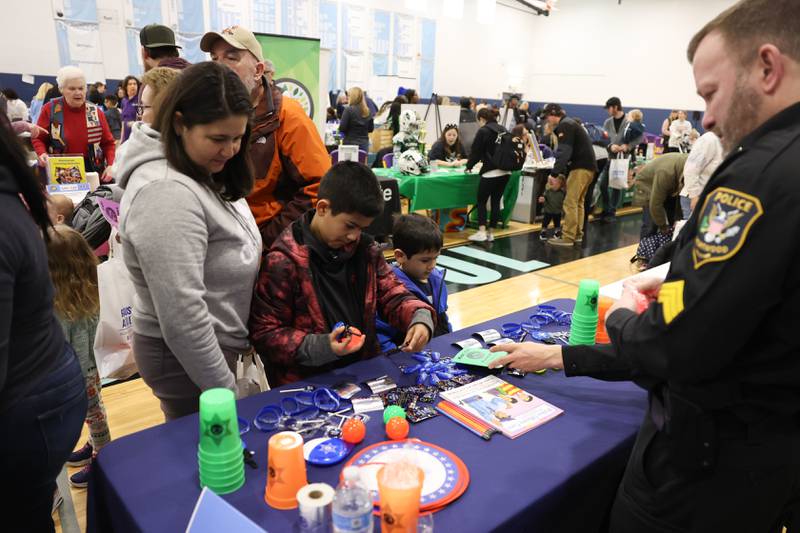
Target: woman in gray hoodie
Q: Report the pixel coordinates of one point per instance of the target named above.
(189, 240)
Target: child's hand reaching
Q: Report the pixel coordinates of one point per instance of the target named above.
(417, 337)
(541, 199)
(346, 345)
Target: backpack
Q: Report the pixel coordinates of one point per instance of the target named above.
(597, 134)
(509, 152)
(88, 220)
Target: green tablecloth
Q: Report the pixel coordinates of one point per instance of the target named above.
(447, 189)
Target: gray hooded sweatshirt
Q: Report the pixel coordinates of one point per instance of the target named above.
(193, 259)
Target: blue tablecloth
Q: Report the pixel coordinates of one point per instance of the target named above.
(561, 476)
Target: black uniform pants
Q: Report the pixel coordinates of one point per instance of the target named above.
(753, 488)
(491, 188)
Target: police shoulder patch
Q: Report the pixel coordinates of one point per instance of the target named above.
(725, 221)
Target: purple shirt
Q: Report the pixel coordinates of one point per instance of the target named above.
(128, 115)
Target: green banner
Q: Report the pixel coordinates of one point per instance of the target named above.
(296, 61)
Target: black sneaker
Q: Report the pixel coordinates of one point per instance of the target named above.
(542, 235)
(80, 479)
(81, 457)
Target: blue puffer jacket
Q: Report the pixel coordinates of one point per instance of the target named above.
(387, 333)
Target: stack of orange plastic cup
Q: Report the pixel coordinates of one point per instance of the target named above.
(603, 305)
(286, 470)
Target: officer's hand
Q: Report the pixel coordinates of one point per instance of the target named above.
(417, 336)
(634, 292)
(528, 356)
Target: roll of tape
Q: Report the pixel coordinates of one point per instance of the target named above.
(315, 502)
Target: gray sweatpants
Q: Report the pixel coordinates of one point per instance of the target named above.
(163, 373)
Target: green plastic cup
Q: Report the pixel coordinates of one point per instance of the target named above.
(586, 301)
(223, 484)
(219, 428)
(218, 456)
(218, 465)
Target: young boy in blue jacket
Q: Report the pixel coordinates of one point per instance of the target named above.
(417, 244)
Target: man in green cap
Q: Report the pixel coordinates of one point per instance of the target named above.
(159, 48)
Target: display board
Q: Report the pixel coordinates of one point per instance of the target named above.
(296, 61)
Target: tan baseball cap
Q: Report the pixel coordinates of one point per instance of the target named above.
(236, 36)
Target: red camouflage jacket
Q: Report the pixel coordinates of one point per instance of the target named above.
(286, 307)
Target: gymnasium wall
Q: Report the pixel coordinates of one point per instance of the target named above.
(583, 53)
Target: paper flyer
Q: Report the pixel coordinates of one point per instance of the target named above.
(504, 406)
(66, 174)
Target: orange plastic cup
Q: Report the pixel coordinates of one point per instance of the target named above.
(603, 305)
(286, 470)
(399, 504)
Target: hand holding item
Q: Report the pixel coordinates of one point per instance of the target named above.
(528, 356)
(637, 295)
(345, 340)
(417, 337)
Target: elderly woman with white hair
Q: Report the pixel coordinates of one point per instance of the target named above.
(74, 126)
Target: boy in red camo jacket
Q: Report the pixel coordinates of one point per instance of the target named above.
(322, 270)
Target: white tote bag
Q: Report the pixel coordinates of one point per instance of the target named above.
(113, 343)
(251, 378)
(618, 173)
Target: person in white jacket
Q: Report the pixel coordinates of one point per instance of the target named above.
(679, 132)
(706, 155)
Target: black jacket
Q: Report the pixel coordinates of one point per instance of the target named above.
(574, 148)
(723, 335)
(31, 339)
(355, 127)
(467, 115)
(482, 147)
(437, 152)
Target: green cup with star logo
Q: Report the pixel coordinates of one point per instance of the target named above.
(586, 301)
(219, 455)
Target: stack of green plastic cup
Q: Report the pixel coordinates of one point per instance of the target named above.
(219, 453)
(584, 316)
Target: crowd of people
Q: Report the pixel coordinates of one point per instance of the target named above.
(241, 238)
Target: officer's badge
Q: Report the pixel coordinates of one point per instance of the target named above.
(727, 217)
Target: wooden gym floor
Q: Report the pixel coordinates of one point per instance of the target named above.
(131, 406)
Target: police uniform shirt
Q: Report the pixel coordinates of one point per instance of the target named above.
(728, 312)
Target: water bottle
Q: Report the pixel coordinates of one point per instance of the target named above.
(352, 504)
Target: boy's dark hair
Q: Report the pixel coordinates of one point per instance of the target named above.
(614, 102)
(465, 102)
(111, 98)
(351, 187)
(204, 93)
(415, 233)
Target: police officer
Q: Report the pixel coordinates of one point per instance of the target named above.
(718, 348)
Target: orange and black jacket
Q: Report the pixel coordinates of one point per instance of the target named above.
(288, 159)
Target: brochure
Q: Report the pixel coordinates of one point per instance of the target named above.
(505, 407)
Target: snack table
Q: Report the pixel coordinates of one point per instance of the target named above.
(561, 476)
(448, 188)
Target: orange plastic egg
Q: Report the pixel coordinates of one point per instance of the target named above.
(354, 431)
(397, 428)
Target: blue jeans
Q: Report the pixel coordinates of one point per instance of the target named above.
(686, 207)
(42, 429)
(610, 197)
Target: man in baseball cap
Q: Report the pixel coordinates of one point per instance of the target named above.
(286, 150)
(574, 159)
(159, 48)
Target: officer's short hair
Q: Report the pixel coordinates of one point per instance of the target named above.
(751, 23)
